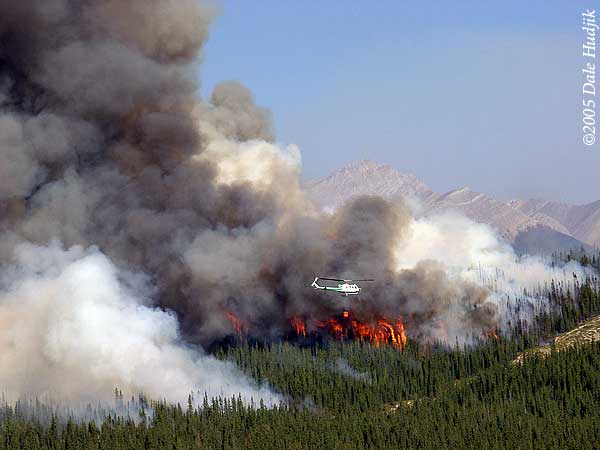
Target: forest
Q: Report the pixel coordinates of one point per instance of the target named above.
(355, 395)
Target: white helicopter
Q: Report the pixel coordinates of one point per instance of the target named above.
(344, 287)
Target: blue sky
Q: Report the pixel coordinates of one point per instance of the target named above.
(478, 93)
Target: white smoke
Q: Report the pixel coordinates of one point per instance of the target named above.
(473, 252)
(257, 162)
(73, 327)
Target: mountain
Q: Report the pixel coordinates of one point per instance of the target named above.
(500, 215)
(544, 240)
(526, 222)
(366, 178)
(581, 221)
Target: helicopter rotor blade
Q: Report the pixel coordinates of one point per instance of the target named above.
(342, 280)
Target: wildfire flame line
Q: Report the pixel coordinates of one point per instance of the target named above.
(378, 333)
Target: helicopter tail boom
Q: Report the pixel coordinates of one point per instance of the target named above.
(316, 285)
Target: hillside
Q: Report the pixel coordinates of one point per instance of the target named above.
(586, 333)
(581, 221)
(566, 225)
(546, 241)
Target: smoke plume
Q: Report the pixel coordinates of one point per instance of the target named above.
(136, 219)
(73, 329)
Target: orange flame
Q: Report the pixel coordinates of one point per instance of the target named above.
(401, 332)
(491, 334)
(381, 332)
(238, 326)
(333, 326)
(299, 326)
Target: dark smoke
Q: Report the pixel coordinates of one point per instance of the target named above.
(104, 142)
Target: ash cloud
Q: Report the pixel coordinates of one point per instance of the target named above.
(105, 145)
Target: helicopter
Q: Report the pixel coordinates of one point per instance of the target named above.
(344, 287)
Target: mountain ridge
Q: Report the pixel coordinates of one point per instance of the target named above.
(510, 218)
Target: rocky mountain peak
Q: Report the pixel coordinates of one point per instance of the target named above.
(510, 218)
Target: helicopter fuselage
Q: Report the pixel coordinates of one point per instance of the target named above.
(342, 288)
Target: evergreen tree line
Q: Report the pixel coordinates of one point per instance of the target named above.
(551, 402)
(352, 395)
